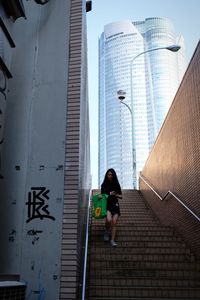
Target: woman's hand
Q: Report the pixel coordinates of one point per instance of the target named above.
(116, 194)
(113, 193)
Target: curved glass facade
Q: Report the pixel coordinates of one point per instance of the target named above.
(154, 79)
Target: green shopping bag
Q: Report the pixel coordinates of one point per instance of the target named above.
(99, 206)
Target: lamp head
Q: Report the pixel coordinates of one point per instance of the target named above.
(173, 48)
(121, 98)
(121, 95)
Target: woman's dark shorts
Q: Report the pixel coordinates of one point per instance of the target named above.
(113, 205)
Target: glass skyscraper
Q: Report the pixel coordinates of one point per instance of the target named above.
(154, 78)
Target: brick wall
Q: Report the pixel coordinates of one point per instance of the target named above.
(174, 162)
(77, 166)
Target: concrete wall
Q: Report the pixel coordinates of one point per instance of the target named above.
(33, 153)
(174, 162)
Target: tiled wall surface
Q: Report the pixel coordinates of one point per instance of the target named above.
(77, 178)
(174, 162)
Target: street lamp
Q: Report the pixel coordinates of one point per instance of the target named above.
(172, 48)
(121, 96)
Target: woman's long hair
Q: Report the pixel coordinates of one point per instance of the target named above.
(114, 182)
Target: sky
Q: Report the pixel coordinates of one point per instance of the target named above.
(185, 15)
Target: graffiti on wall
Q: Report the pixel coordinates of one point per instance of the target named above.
(38, 204)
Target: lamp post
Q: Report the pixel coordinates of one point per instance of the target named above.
(122, 95)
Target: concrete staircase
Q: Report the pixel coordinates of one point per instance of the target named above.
(151, 261)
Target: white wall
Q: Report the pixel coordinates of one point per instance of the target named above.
(34, 148)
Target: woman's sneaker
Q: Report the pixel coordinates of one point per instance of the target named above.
(106, 236)
(113, 243)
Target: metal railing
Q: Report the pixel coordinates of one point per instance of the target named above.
(86, 251)
(169, 193)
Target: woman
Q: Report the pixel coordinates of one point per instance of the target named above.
(111, 187)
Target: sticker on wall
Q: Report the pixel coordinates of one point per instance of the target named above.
(37, 204)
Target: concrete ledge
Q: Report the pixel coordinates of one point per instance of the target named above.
(11, 283)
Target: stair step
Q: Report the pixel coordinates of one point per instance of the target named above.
(133, 226)
(150, 262)
(141, 244)
(137, 218)
(158, 258)
(136, 236)
(138, 243)
(135, 210)
(136, 233)
(130, 292)
(150, 273)
(181, 268)
(128, 223)
(150, 251)
(136, 298)
(143, 282)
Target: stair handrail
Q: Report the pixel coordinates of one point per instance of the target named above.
(169, 193)
(86, 249)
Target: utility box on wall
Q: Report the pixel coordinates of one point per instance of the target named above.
(12, 290)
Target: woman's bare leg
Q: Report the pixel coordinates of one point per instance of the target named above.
(108, 221)
(114, 228)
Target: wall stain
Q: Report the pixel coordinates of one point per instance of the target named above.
(12, 236)
(58, 200)
(59, 168)
(34, 233)
(32, 265)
